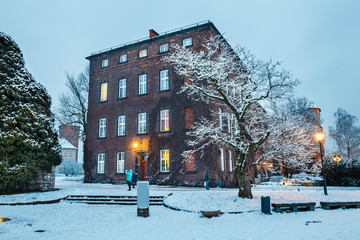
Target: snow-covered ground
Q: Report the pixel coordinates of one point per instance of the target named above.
(81, 221)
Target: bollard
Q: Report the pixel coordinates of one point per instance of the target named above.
(143, 199)
(265, 205)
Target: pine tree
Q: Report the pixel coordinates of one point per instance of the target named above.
(28, 141)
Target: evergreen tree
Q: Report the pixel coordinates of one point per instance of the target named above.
(28, 142)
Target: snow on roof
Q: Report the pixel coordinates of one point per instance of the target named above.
(66, 144)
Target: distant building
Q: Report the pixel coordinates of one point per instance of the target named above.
(68, 151)
(137, 120)
(69, 141)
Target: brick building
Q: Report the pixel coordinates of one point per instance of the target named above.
(137, 120)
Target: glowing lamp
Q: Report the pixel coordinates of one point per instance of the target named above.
(319, 137)
(135, 144)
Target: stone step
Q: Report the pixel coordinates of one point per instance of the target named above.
(118, 200)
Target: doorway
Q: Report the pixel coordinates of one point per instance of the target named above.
(141, 159)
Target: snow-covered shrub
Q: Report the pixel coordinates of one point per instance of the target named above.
(28, 140)
(69, 167)
(344, 172)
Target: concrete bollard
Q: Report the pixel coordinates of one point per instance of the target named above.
(143, 198)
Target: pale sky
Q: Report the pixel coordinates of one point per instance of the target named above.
(317, 40)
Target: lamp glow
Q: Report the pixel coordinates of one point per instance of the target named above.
(135, 144)
(319, 136)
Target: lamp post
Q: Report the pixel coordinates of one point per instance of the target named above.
(320, 139)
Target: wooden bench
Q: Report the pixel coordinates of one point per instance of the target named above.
(293, 207)
(343, 205)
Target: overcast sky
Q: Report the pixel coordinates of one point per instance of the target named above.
(317, 40)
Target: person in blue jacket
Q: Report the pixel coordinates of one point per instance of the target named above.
(128, 178)
(207, 179)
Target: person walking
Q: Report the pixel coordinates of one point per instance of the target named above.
(134, 179)
(128, 178)
(207, 179)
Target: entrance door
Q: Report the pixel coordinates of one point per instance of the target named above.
(143, 166)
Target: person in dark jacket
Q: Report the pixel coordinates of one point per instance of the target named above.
(128, 178)
(207, 179)
(134, 179)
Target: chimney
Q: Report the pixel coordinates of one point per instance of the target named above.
(153, 33)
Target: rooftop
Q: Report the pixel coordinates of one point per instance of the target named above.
(147, 38)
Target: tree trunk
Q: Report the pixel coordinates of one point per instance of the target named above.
(244, 175)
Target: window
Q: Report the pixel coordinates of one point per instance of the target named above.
(143, 53)
(102, 127)
(123, 58)
(164, 48)
(70, 154)
(142, 84)
(164, 80)
(164, 120)
(122, 88)
(187, 42)
(121, 125)
(164, 161)
(230, 162)
(190, 162)
(221, 155)
(104, 90)
(120, 162)
(141, 123)
(189, 117)
(105, 63)
(220, 119)
(101, 163)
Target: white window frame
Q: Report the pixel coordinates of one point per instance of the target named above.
(187, 42)
(164, 160)
(120, 162)
(122, 125)
(164, 80)
(105, 63)
(222, 162)
(165, 120)
(102, 127)
(141, 123)
(101, 163)
(230, 162)
(220, 119)
(104, 92)
(122, 88)
(143, 84)
(164, 48)
(143, 53)
(123, 58)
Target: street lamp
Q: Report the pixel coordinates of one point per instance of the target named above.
(320, 138)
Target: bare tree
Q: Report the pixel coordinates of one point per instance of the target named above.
(74, 103)
(346, 134)
(236, 82)
(292, 146)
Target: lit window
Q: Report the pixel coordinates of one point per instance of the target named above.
(123, 58)
(141, 123)
(101, 163)
(104, 91)
(164, 48)
(143, 53)
(142, 84)
(105, 63)
(164, 80)
(120, 162)
(164, 120)
(102, 127)
(121, 125)
(122, 88)
(187, 42)
(230, 162)
(164, 161)
(222, 163)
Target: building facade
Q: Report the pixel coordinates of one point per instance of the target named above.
(137, 120)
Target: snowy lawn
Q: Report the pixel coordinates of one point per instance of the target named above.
(81, 221)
